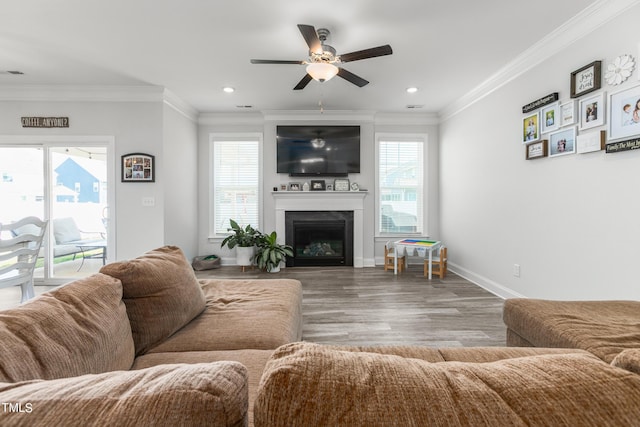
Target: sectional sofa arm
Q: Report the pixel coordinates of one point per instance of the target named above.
(165, 395)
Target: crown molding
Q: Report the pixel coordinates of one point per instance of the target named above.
(71, 93)
(579, 26)
(319, 116)
(406, 119)
(172, 100)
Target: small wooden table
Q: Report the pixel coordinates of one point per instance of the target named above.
(419, 247)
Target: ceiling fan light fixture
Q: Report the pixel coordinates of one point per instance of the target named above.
(322, 71)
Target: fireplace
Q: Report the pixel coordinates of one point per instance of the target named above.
(319, 238)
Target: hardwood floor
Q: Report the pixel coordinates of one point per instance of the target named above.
(368, 306)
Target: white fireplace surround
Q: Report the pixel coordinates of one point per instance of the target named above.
(325, 201)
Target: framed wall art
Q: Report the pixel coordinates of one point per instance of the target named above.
(562, 142)
(530, 128)
(568, 113)
(624, 113)
(590, 142)
(592, 111)
(550, 118)
(537, 150)
(586, 79)
(138, 167)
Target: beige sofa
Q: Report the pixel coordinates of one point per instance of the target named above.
(309, 385)
(143, 343)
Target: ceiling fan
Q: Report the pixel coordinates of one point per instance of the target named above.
(323, 63)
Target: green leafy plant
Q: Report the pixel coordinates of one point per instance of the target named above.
(243, 237)
(270, 252)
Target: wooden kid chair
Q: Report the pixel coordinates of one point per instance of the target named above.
(438, 265)
(389, 256)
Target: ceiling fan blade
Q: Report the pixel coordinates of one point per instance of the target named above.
(367, 53)
(311, 37)
(350, 77)
(274, 61)
(304, 82)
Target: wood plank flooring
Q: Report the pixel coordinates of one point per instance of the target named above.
(368, 306)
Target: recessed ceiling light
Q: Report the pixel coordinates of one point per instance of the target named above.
(412, 89)
(228, 89)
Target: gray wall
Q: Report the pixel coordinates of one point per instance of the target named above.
(570, 222)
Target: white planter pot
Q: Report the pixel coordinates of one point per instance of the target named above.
(275, 269)
(244, 255)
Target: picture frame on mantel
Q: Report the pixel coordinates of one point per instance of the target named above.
(586, 79)
(138, 167)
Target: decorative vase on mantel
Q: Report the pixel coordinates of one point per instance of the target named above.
(305, 186)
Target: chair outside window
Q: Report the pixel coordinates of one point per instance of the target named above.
(20, 244)
(390, 255)
(438, 265)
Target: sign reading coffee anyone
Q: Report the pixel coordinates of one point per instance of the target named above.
(45, 122)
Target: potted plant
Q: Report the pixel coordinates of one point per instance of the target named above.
(271, 253)
(245, 239)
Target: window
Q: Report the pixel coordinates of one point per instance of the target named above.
(400, 184)
(236, 181)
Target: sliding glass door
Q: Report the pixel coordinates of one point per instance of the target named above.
(68, 185)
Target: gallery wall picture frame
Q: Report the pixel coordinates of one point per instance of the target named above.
(317, 185)
(592, 111)
(586, 79)
(550, 118)
(568, 113)
(562, 142)
(531, 128)
(138, 167)
(295, 186)
(624, 113)
(537, 150)
(590, 142)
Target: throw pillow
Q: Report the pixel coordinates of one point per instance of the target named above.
(79, 328)
(161, 293)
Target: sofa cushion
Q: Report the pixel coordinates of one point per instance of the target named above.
(604, 328)
(308, 384)
(161, 293)
(253, 360)
(168, 395)
(79, 328)
(629, 360)
(260, 314)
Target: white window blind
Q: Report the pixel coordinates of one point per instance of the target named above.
(236, 177)
(400, 186)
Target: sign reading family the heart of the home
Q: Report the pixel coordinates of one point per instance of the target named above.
(545, 100)
(45, 122)
(629, 144)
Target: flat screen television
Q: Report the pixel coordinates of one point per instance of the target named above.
(318, 150)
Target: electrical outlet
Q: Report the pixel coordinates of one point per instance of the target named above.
(149, 201)
(516, 270)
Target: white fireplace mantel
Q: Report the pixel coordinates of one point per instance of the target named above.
(325, 201)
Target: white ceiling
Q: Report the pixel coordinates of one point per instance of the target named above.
(195, 47)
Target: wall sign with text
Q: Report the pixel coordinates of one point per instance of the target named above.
(45, 122)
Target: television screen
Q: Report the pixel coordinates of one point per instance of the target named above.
(318, 150)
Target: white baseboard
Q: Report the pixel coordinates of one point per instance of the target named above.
(485, 283)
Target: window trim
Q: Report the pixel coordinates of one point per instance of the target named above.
(234, 136)
(403, 137)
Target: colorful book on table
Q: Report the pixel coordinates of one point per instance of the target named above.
(418, 242)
